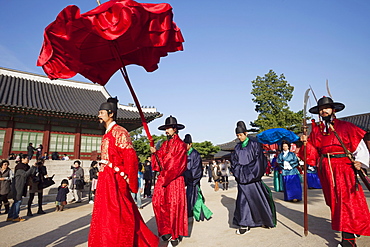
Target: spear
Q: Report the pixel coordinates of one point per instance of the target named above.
(305, 211)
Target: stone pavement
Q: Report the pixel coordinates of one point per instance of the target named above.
(71, 227)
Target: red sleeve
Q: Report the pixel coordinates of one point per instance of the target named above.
(353, 137)
(156, 159)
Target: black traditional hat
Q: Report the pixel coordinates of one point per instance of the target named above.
(110, 105)
(240, 127)
(328, 102)
(188, 139)
(171, 122)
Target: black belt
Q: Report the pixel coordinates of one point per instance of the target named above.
(333, 155)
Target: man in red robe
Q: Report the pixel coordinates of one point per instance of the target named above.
(349, 210)
(116, 220)
(169, 199)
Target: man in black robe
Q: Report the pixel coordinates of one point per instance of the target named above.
(193, 175)
(254, 204)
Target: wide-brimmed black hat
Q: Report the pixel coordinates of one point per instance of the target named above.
(240, 127)
(171, 122)
(328, 102)
(110, 105)
(188, 139)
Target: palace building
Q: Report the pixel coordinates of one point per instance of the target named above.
(59, 114)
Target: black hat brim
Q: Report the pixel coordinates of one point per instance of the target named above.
(177, 126)
(336, 106)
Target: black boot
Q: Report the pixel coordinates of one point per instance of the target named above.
(348, 240)
(29, 212)
(40, 211)
(6, 207)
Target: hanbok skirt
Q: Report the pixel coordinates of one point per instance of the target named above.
(292, 187)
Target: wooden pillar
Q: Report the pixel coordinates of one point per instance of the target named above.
(8, 139)
(46, 140)
(77, 149)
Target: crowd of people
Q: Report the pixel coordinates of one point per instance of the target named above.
(170, 178)
(39, 155)
(15, 185)
(218, 171)
(29, 180)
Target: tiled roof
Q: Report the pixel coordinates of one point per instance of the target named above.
(38, 93)
(222, 155)
(229, 146)
(361, 120)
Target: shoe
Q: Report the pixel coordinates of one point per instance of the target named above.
(150, 196)
(166, 237)
(295, 200)
(266, 227)
(29, 213)
(78, 201)
(40, 211)
(19, 219)
(242, 230)
(173, 243)
(91, 202)
(73, 200)
(6, 209)
(141, 207)
(347, 243)
(9, 219)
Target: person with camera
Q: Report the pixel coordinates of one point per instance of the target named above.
(19, 187)
(77, 184)
(36, 185)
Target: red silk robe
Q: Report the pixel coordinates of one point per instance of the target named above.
(116, 220)
(169, 199)
(349, 210)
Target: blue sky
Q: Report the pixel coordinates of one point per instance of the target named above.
(227, 45)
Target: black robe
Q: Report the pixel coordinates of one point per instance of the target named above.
(192, 175)
(254, 207)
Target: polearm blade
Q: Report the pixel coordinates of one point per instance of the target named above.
(313, 93)
(327, 88)
(305, 186)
